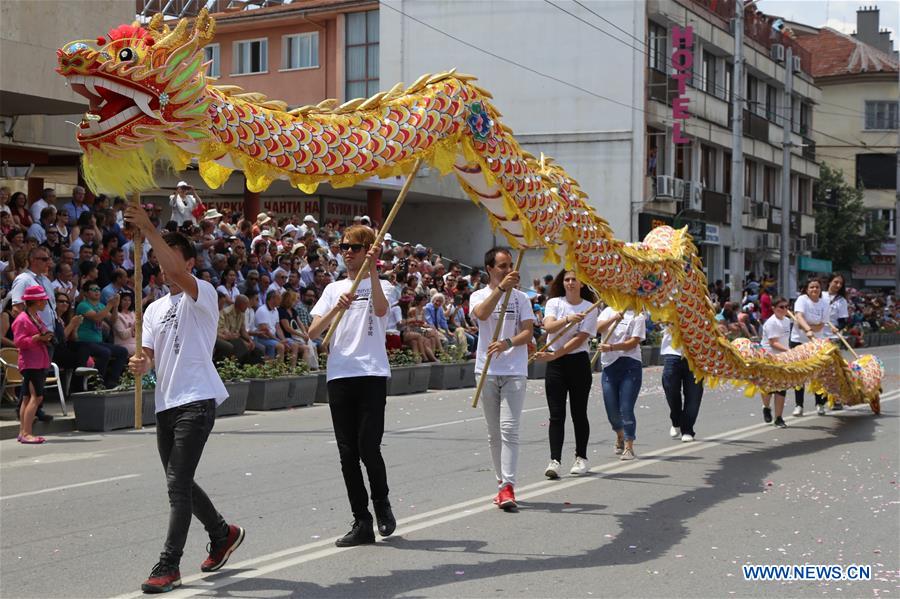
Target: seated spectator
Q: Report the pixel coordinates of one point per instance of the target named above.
(267, 327)
(109, 359)
(123, 327)
(116, 284)
(292, 331)
(233, 340)
(416, 324)
(436, 316)
(229, 285)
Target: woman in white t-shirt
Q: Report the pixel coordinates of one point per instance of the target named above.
(358, 371)
(811, 312)
(569, 367)
(622, 374)
(838, 312)
(776, 333)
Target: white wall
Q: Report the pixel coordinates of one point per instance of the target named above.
(592, 138)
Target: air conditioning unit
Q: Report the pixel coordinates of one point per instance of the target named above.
(796, 64)
(760, 210)
(773, 241)
(812, 241)
(664, 187)
(776, 52)
(695, 201)
(678, 188)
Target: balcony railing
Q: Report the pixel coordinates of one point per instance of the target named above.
(716, 206)
(809, 149)
(756, 126)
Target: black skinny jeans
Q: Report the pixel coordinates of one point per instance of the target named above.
(569, 376)
(357, 413)
(798, 393)
(181, 434)
(683, 408)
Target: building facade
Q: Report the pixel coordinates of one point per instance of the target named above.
(857, 128)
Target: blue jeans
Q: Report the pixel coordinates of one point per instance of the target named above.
(268, 346)
(683, 409)
(621, 385)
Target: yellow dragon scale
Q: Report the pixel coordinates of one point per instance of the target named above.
(151, 103)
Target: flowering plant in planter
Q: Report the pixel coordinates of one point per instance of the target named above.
(403, 357)
(454, 354)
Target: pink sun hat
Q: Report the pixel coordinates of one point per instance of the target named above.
(34, 293)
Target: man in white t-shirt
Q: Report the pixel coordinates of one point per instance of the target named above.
(503, 393)
(357, 374)
(179, 335)
(776, 333)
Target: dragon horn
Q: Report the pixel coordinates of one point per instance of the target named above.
(156, 23)
(176, 38)
(204, 27)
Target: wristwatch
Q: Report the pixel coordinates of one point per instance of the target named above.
(509, 343)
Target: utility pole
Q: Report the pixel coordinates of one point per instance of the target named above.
(736, 262)
(786, 204)
(897, 223)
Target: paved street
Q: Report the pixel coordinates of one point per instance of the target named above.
(85, 514)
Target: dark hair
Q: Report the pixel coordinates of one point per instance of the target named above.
(84, 220)
(557, 289)
(842, 292)
(805, 288)
(781, 300)
(490, 257)
(14, 197)
(84, 268)
(180, 243)
(87, 284)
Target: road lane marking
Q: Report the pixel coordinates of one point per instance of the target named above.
(73, 486)
(294, 556)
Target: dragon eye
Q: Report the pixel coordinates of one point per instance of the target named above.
(126, 54)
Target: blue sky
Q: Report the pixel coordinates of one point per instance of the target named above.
(837, 14)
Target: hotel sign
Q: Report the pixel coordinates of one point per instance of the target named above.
(683, 63)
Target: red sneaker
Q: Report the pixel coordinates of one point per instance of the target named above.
(220, 552)
(507, 498)
(163, 578)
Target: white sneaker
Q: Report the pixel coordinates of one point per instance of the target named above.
(627, 454)
(820, 410)
(687, 438)
(674, 432)
(579, 467)
(552, 470)
(798, 411)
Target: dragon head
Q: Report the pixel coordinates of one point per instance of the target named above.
(146, 91)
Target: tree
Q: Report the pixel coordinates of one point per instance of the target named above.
(841, 221)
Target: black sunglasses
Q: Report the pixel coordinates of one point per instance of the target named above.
(356, 247)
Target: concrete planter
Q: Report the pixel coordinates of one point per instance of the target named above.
(303, 390)
(409, 379)
(108, 411)
(322, 388)
(269, 394)
(236, 404)
(537, 370)
(449, 376)
(468, 375)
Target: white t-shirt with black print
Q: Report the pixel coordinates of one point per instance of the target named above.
(181, 332)
(514, 361)
(357, 347)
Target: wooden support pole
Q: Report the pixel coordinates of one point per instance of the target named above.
(500, 319)
(138, 279)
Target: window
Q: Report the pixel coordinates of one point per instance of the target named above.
(805, 119)
(804, 191)
(654, 137)
(771, 103)
(752, 91)
(726, 173)
(658, 48)
(362, 54)
(683, 161)
(770, 177)
(211, 53)
(709, 74)
(300, 51)
(729, 76)
(708, 168)
(251, 56)
(750, 179)
(888, 216)
(881, 115)
(876, 171)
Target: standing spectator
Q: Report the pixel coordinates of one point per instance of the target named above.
(32, 338)
(76, 207)
(621, 360)
(569, 367)
(109, 359)
(183, 203)
(42, 224)
(357, 371)
(683, 392)
(36, 274)
(309, 224)
(811, 314)
(765, 304)
(775, 339)
(123, 326)
(48, 197)
(503, 392)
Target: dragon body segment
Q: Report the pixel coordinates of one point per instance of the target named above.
(150, 101)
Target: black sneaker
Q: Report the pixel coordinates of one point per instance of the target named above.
(361, 533)
(43, 416)
(385, 517)
(837, 407)
(163, 578)
(780, 423)
(767, 415)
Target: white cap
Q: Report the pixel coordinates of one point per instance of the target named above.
(182, 184)
(366, 219)
(388, 237)
(310, 219)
